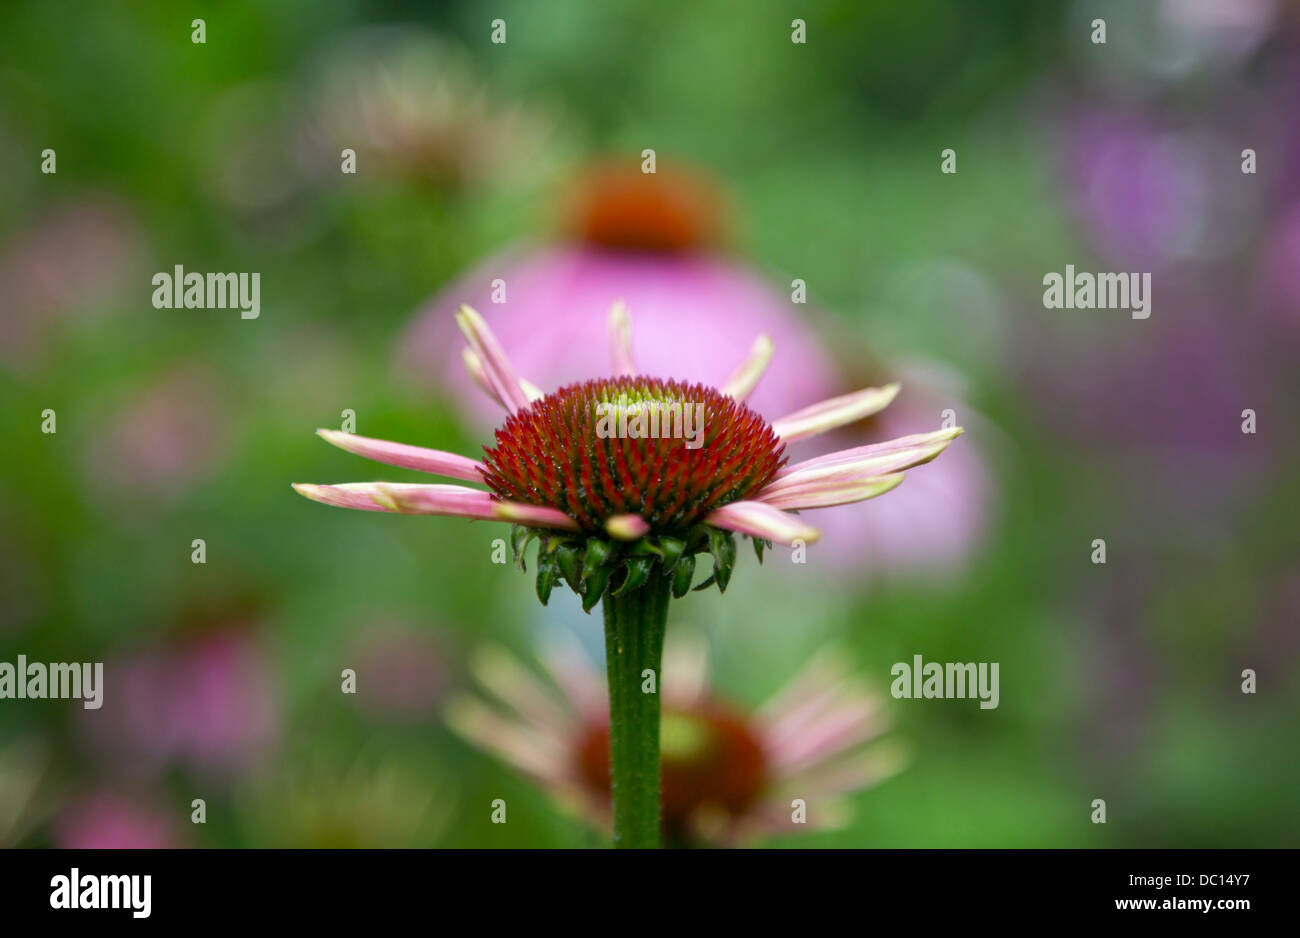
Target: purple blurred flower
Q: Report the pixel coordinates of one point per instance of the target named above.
(205, 701)
(1279, 272)
(1151, 192)
(105, 820)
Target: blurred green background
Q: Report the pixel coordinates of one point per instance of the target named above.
(1119, 681)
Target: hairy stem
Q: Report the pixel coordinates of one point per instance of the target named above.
(634, 641)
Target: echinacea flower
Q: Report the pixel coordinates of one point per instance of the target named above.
(622, 511)
(731, 774)
(659, 241)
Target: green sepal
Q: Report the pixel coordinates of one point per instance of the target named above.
(566, 556)
(759, 544)
(520, 535)
(598, 552)
(723, 548)
(683, 574)
(593, 587)
(671, 549)
(638, 571)
(709, 581)
(546, 573)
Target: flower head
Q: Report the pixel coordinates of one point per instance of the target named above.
(729, 773)
(614, 483)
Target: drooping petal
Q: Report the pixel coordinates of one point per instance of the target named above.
(349, 495)
(620, 339)
(849, 724)
(574, 674)
(468, 503)
(826, 493)
(497, 370)
(860, 464)
(474, 367)
(503, 674)
(745, 378)
(833, 413)
(626, 527)
(435, 461)
(686, 658)
(518, 743)
(457, 501)
(537, 516)
(760, 520)
(916, 445)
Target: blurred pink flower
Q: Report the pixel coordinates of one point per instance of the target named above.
(78, 257)
(161, 440)
(647, 240)
(402, 673)
(105, 820)
(206, 702)
(729, 773)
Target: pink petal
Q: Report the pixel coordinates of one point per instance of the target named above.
(745, 378)
(760, 520)
(408, 457)
(457, 501)
(497, 369)
(843, 469)
(828, 493)
(351, 495)
(833, 413)
(536, 516)
(916, 443)
(474, 368)
(620, 339)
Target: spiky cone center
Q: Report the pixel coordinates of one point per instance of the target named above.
(666, 451)
(712, 768)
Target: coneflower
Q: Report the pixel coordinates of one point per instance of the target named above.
(731, 774)
(622, 516)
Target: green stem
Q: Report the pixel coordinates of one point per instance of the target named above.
(634, 641)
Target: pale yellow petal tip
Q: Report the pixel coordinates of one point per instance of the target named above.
(503, 511)
(626, 527)
(811, 536)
